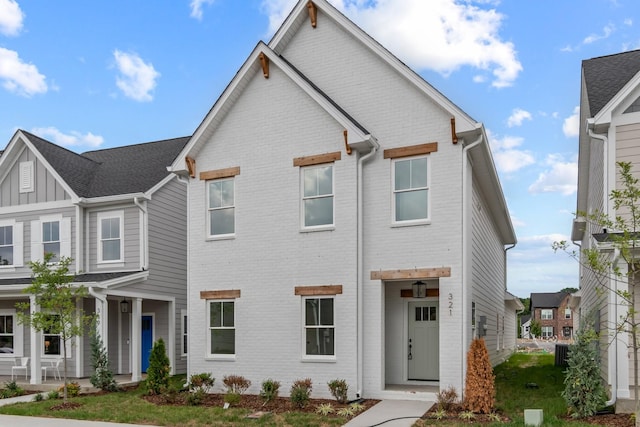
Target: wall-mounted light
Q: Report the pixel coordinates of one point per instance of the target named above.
(419, 289)
(124, 306)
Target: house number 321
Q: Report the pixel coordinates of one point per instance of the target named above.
(450, 298)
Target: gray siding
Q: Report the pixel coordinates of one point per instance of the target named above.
(131, 236)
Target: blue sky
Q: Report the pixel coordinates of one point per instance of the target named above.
(91, 75)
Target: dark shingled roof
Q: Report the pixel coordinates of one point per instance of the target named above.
(122, 170)
(605, 76)
(80, 278)
(546, 300)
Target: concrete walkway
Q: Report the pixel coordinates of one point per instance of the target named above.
(392, 413)
(16, 421)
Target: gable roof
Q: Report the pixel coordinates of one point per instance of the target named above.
(605, 76)
(547, 300)
(109, 172)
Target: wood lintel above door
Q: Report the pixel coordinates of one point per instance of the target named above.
(411, 274)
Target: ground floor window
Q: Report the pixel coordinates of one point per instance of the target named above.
(222, 331)
(547, 331)
(52, 342)
(319, 327)
(183, 317)
(566, 331)
(7, 339)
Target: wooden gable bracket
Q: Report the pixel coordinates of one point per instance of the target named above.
(346, 143)
(264, 61)
(191, 166)
(313, 13)
(454, 137)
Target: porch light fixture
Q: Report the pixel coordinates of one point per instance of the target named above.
(124, 306)
(419, 289)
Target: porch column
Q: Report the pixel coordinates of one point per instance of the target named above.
(136, 338)
(36, 346)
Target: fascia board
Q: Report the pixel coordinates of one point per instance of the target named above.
(604, 115)
(463, 121)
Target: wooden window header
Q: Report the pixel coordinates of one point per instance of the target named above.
(318, 290)
(220, 173)
(411, 150)
(317, 159)
(223, 294)
(411, 274)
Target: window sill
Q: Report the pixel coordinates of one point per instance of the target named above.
(319, 359)
(221, 358)
(410, 223)
(318, 228)
(110, 264)
(9, 268)
(221, 237)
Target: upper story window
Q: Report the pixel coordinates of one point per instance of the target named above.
(410, 189)
(317, 196)
(11, 244)
(567, 313)
(51, 239)
(546, 314)
(221, 207)
(51, 234)
(110, 237)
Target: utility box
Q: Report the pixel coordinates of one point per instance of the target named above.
(533, 417)
(562, 354)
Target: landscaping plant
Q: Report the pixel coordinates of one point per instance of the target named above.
(159, 369)
(236, 386)
(479, 391)
(338, 389)
(102, 376)
(269, 391)
(300, 392)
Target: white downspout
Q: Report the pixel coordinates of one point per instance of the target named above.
(465, 315)
(185, 181)
(144, 256)
(360, 260)
(605, 203)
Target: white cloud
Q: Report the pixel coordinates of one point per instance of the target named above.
(196, 8)
(459, 34)
(606, 32)
(18, 76)
(72, 139)
(506, 154)
(517, 117)
(560, 177)
(10, 18)
(571, 125)
(137, 79)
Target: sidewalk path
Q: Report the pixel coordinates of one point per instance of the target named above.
(392, 413)
(18, 421)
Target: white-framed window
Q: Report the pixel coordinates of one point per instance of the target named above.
(26, 177)
(11, 333)
(546, 314)
(110, 236)
(51, 234)
(185, 341)
(547, 331)
(221, 339)
(410, 190)
(221, 207)
(11, 247)
(51, 341)
(317, 196)
(319, 327)
(567, 313)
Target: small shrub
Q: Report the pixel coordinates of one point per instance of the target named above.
(346, 412)
(447, 398)
(324, 409)
(357, 407)
(196, 397)
(439, 413)
(53, 394)
(39, 397)
(495, 417)
(73, 389)
(467, 415)
(236, 384)
(171, 394)
(232, 398)
(479, 391)
(338, 389)
(269, 391)
(201, 382)
(159, 369)
(301, 392)
(12, 389)
(102, 376)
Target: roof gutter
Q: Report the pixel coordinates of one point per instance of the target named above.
(360, 260)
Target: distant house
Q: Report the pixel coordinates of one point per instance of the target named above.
(525, 326)
(345, 221)
(121, 217)
(609, 133)
(554, 314)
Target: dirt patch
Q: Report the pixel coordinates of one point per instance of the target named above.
(68, 405)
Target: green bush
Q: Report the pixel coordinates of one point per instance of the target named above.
(232, 398)
(73, 389)
(236, 383)
(159, 369)
(300, 392)
(269, 391)
(203, 381)
(102, 377)
(339, 389)
(53, 394)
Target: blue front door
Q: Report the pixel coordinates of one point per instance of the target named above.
(147, 341)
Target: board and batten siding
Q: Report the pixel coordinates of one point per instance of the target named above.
(46, 187)
(130, 233)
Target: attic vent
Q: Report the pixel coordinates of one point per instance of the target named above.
(26, 177)
(633, 107)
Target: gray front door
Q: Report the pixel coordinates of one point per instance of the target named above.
(424, 348)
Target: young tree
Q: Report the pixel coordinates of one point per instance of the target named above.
(159, 369)
(55, 297)
(479, 391)
(621, 235)
(535, 329)
(102, 376)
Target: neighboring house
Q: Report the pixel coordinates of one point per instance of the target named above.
(525, 326)
(345, 221)
(609, 133)
(121, 217)
(553, 313)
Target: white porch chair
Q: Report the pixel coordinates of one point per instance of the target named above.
(21, 363)
(55, 367)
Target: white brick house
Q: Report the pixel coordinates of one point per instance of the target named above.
(325, 181)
